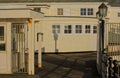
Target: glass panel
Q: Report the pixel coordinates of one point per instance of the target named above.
(1, 33)
(2, 47)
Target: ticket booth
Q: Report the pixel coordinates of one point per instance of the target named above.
(17, 40)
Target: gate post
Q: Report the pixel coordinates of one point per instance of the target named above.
(31, 47)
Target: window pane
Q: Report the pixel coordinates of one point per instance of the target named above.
(2, 47)
(1, 33)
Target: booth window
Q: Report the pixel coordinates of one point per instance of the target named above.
(1, 33)
(2, 43)
(2, 47)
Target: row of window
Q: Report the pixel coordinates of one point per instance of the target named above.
(66, 11)
(83, 11)
(78, 29)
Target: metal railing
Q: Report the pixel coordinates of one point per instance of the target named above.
(110, 67)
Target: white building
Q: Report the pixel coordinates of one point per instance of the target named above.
(46, 26)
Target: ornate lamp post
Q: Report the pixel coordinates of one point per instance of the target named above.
(102, 12)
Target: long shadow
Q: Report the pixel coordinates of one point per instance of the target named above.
(81, 64)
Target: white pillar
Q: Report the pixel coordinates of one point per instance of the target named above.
(31, 48)
(8, 47)
(39, 52)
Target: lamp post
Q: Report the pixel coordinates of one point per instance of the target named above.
(102, 12)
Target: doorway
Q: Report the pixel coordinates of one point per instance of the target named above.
(19, 48)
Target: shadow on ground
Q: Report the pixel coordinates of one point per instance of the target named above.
(79, 65)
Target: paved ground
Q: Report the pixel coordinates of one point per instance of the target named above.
(79, 65)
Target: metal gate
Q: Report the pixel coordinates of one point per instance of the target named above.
(112, 40)
(19, 46)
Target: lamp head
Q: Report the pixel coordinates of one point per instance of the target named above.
(103, 10)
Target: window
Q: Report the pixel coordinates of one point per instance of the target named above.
(2, 40)
(60, 11)
(68, 29)
(1, 33)
(86, 11)
(56, 28)
(83, 11)
(90, 11)
(87, 29)
(94, 29)
(78, 28)
(118, 14)
(37, 9)
(2, 46)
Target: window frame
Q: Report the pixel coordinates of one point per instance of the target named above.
(56, 28)
(68, 29)
(78, 29)
(87, 29)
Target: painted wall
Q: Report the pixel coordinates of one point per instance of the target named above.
(5, 56)
(68, 42)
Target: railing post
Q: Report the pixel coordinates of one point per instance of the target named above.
(110, 68)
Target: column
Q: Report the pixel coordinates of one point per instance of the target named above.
(31, 47)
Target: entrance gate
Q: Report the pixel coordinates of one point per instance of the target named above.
(112, 40)
(19, 46)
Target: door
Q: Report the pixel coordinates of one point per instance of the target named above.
(19, 46)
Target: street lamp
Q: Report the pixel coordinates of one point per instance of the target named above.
(102, 12)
